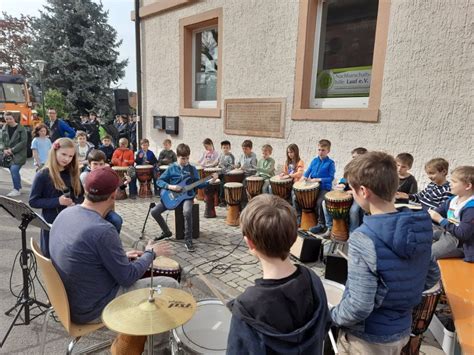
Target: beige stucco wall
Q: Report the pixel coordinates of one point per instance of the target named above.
(427, 92)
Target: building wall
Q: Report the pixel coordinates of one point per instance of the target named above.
(427, 96)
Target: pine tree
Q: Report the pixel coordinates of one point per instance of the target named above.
(81, 49)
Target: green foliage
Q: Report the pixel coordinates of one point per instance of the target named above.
(54, 99)
(81, 50)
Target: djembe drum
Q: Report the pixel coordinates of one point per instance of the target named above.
(214, 190)
(254, 186)
(236, 175)
(200, 192)
(233, 197)
(306, 194)
(144, 176)
(121, 194)
(281, 187)
(338, 205)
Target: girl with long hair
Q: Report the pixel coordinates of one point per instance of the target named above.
(56, 186)
(40, 145)
(294, 166)
(210, 157)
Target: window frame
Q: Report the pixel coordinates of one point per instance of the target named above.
(305, 53)
(188, 27)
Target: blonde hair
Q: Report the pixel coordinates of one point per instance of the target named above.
(54, 168)
(465, 174)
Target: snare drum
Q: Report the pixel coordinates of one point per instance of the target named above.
(200, 192)
(254, 186)
(163, 266)
(306, 194)
(121, 171)
(421, 318)
(338, 204)
(144, 176)
(281, 187)
(236, 175)
(205, 333)
(233, 197)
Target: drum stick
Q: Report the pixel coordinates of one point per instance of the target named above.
(211, 287)
(333, 342)
(344, 255)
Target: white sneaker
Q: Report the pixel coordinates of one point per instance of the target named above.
(14, 193)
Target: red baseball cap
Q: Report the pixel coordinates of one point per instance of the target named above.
(102, 181)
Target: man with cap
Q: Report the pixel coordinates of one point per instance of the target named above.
(87, 252)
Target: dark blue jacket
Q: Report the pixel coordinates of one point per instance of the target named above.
(141, 159)
(324, 169)
(302, 333)
(108, 151)
(464, 230)
(389, 260)
(61, 129)
(176, 174)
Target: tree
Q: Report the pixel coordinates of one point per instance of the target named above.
(54, 99)
(15, 39)
(81, 50)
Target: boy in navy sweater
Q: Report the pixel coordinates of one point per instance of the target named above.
(322, 169)
(456, 216)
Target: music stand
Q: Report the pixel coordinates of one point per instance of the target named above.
(23, 213)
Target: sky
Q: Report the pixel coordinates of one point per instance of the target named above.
(119, 18)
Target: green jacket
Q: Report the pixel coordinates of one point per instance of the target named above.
(266, 168)
(17, 143)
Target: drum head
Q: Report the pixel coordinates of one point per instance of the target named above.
(233, 185)
(163, 167)
(337, 195)
(120, 168)
(164, 263)
(334, 292)
(305, 185)
(236, 172)
(255, 178)
(212, 170)
(207, 331)
(138, 167)
(435, 289)
(278, 180)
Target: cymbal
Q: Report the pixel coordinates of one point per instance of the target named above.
(132, 313)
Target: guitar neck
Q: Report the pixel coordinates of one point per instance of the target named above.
(196, 183)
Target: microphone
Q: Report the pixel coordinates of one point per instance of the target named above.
(67, 192)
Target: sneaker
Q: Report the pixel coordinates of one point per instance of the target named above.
(190, 247)
(133, 197)
(14, 193)
(317, 229)
(327, 234)
(164, 235)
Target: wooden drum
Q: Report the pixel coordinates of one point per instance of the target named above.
(281, 187)
(200, 192)
(338, 204)
(254, 186)
(236, 175)
(233, 197)
(121, 171)
(144, 176)
(306, 194)
(214, 190)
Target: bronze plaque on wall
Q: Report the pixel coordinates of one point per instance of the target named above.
(255, 117)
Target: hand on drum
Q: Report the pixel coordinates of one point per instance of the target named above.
(132, 254)
(284, 176)
(160, 248)
(313, 179)
(435, 216)
(127, 179)
(176, 188)
(401, 195)
(340, 187)
(215, 176)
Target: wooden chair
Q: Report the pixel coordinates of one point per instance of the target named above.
(59, 303)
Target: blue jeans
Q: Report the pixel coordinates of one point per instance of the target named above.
(16, 178)
(355, 216)
(114, 218)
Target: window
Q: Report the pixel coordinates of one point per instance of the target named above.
(343, 53)
(200, 64)
(205, 55)
(340, 58)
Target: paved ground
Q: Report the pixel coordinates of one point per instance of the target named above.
(220, 255)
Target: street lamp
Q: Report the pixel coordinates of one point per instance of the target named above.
(40, 64)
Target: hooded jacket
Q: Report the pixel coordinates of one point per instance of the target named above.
(288, 316)
(17, 143)
(390, 266)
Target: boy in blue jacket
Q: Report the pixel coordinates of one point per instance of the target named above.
(322, 169)
(169, 180)
(456, 216)
(389, 263)
(286, 311)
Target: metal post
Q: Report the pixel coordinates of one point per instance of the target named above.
(42, 96)
(138, 58)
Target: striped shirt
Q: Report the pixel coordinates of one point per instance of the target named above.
(433, 195)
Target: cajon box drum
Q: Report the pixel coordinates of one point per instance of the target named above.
(179, 222)
(306, 248)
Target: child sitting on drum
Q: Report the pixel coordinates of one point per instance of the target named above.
(287, 308)
(322, 170)
(406, 181)
(438, 190)
(389, 263)
(266, 167)
(167, 156)
(456, 217)
(210, 157)
(226, 163)
(97, 159)
(355, 213)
